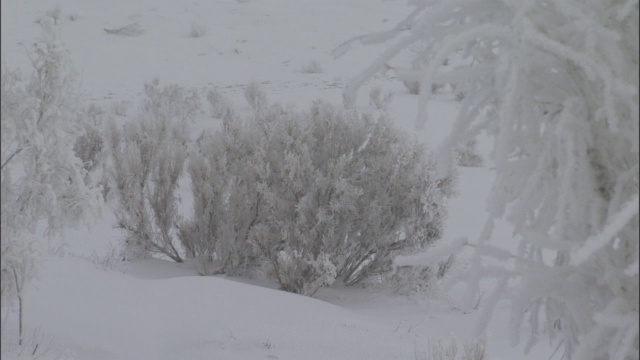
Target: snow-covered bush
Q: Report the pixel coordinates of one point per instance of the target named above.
(473, 350)
(342, 192)
(90, 148)
(256, 97)
(312, 67)
(148, 156)
(218, 104)
(467, 155)
(378, 100)
(42, 178)
(411, 280)
(421, 279)
(225, 199)
(321, 195)
(556, 84)
(119, 108)
(35, 345)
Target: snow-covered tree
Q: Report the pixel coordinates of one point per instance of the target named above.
(555, 82)
(42, 178)
(148, 156)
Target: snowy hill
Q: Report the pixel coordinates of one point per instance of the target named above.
(108, 315)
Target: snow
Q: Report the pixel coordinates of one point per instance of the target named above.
(192, 317)
(156, 309)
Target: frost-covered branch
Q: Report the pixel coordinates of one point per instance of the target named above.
(556, 85)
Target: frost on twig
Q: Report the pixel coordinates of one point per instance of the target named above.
(556, 85)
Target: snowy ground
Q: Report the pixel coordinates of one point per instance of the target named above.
(160, 310)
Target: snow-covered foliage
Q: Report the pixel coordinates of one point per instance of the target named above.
(219, 105)
(344, 189)
(42, 178)
(420, 279)
(467, 154)
(556, 85)
(225, 201)
(256, 97)
(439, 350)
(378, 100)
(35, 344)
(311, 197)
(90, 147)
(148, 156)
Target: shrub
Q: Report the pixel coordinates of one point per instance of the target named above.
(34, 345)
(89, 145)
(148, 157)
(475, 350)
(119, 108)
(312, 67)
(256, 97)
(224, 198)
(467, 155)
(410, 280)
(321, 195)
(378, 100)
(91, 149)
(219, 104)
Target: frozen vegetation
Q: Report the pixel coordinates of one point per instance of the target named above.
(198, 180)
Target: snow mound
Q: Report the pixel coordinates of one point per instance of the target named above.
(111, 315)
